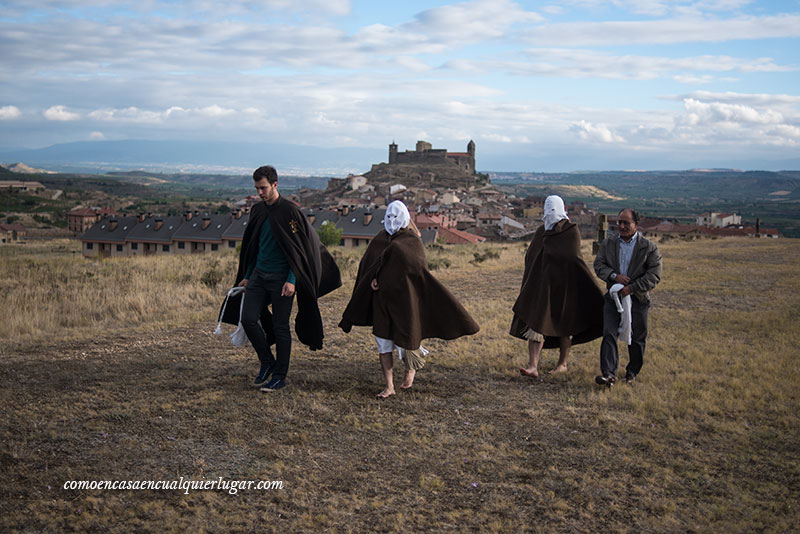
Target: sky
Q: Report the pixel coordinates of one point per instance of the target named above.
(539, 86)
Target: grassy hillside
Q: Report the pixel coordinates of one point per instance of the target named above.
(130, 193)
(109, 371)
(773, 197)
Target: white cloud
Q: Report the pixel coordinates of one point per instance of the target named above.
(734, 123)
(9, 112)
(497, 138)
(693, 80)
(662, 7)
(473, 21)
(752, 99)
(60, 113)
(552, 9)
(137, 115)
(215, 111)
(787, 130)
(591, 132)
(229, 7)
(585, 63)
(666, 31)
(97, 136)
(705, 113)
(131, 114)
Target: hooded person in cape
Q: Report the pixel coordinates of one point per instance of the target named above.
(559, 302)
(400, 299)
(281, 253)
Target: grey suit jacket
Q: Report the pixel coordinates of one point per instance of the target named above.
(644, 269)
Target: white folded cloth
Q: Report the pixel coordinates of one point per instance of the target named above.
(624, 308)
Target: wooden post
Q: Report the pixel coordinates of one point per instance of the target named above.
(602, 227)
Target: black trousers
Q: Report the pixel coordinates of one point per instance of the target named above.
(609, 352)
(264, 289)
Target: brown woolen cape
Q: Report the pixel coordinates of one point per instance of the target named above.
(410, 304)
(559, 296)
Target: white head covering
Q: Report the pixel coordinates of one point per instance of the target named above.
(553, 211)
(396, 217)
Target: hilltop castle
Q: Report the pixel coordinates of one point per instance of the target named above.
(425, 154)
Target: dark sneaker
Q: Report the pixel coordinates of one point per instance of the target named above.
(263, 375)
(274, 385)
(605, 380)
(629, 378)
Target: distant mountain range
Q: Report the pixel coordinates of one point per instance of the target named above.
(195, 156)
(226, 157)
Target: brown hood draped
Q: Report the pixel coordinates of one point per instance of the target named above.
(410, 304)
(559, 296)
(314, 268)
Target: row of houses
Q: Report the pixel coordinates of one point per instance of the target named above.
(360, 225)
(192, 233)
(706, 227)
(115, 235)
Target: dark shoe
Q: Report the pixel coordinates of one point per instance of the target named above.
(274, 384)
(629, 378)
(605, 380)
(263, 375)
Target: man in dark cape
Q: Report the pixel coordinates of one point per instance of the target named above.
(559, 303)
(397, 295)
(313, 268)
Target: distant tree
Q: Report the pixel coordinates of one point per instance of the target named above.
(223, 209)
(329, 234)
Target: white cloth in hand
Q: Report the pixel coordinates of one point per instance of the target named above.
(624, 308)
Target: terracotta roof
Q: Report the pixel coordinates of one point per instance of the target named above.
(453, 236)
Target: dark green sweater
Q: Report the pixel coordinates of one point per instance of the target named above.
(271, 258)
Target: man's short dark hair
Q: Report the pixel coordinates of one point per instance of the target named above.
(268, 172)
(633, 212)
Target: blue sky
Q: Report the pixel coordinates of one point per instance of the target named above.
(579, 84)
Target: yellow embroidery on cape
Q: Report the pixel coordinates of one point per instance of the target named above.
(293, 224)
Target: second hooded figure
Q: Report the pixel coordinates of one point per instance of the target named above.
(397, 295)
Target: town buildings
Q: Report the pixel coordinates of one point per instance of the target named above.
(16, 186)
(12, 232)
(81, 219)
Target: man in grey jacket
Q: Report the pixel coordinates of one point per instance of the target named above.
(635, 262)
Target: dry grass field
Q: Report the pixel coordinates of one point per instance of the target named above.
(109, 371)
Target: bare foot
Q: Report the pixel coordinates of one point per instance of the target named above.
(530, 371)
(560, 369)
(385, 393)
(408, 381)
